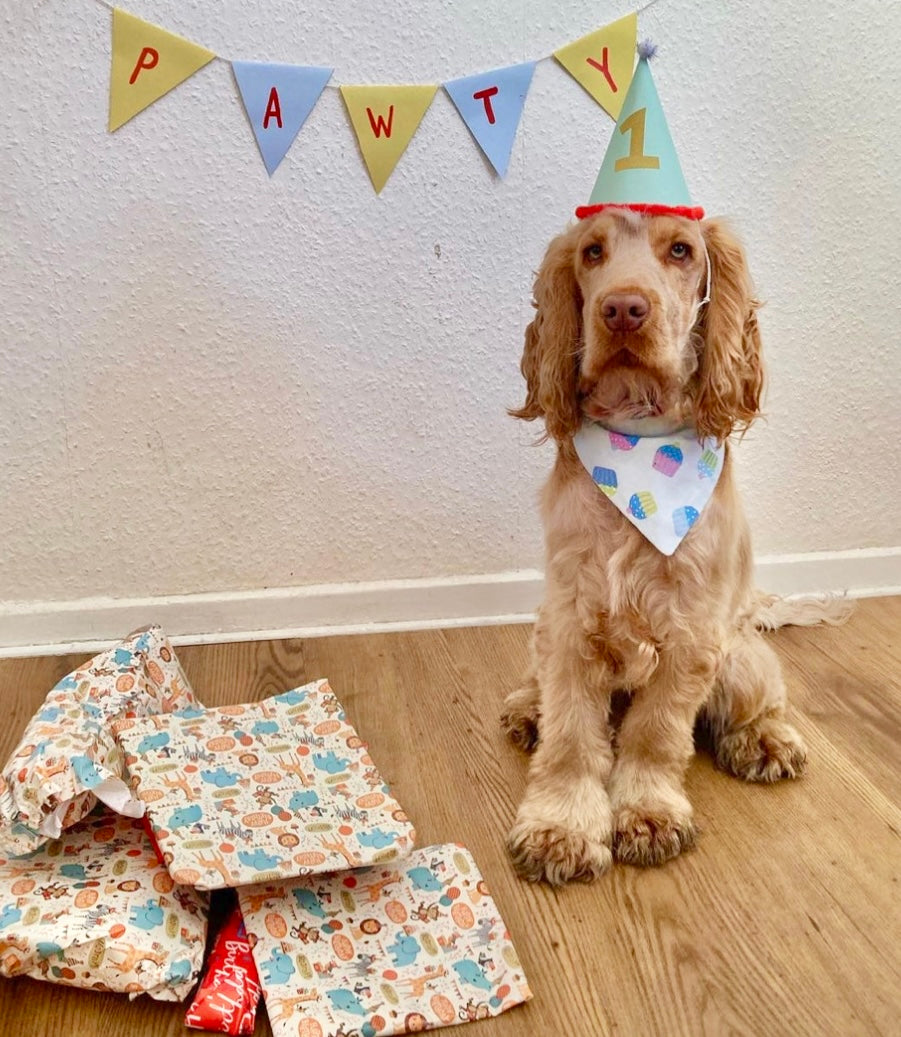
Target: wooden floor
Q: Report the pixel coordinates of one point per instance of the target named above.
(786, 919)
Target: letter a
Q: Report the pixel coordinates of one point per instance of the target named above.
(278, 99)
(273, 110)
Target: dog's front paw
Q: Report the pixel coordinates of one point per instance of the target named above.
(765, 750)
(520, 718)
(556, 854)
(649, 836)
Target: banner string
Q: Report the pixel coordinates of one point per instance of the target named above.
(337, 86)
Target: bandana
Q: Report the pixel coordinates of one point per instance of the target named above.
(660, 483)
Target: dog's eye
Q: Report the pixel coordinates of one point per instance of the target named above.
(680, 250)
(593, 253)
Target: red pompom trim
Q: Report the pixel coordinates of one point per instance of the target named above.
(689, 212)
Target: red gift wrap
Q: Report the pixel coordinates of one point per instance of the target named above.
(226, 1000)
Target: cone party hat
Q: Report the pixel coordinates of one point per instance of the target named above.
(641, 170)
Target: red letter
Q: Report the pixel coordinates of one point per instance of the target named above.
(273, 110)
(152, 57)
(602, 67)
(486, 95)
(377, 127)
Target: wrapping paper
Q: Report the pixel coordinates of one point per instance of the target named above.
(68, 758)
(96, 909)
(267, 791)
(385, 950)
(229, 992)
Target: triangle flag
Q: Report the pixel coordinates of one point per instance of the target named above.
(384, 119)
(641, 167)
(602, 62)
(490, 103)
(147, 62)
(278, 99)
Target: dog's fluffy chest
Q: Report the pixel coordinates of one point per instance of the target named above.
(632, 599)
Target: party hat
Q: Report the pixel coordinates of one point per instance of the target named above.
(641, 170)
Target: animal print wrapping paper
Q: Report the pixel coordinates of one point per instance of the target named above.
(97, 909)
(396, 948)
(68, 758)
(260, 792)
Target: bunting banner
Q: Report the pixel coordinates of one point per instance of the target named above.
(278, 99)
(148, 61)
(602, 62)
(384, 119)
(490, 103)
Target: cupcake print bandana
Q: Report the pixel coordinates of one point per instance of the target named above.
(660, 483)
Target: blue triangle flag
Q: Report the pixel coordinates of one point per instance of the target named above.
(490, 103)
(278, 99)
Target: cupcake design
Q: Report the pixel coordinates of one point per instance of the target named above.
(683, 519)
(264, 791)
(668, 459)
(385, 950)
(707, 465)
(642, 504)
(622, 442)
(605, 479)
(659, 484)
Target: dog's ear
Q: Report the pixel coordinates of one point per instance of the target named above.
(550, 359)
(730, 375)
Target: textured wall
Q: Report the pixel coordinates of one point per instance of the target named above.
(211, 380)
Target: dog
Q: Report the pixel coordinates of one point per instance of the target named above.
(624, 335)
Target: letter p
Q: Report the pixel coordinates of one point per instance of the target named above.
(148, 59)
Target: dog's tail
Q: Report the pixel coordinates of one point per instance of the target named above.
(769, 611)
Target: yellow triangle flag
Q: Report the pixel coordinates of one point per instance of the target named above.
(384, 119)
(602, 62)
(147, 62)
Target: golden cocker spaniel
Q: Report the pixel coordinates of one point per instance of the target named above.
(624, 336)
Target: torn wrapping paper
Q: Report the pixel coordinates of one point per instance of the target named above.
(226, 999)
(266, 791)
(96, 909)
(386, 950)
(68, 758)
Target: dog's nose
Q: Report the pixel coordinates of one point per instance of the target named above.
(625, 312)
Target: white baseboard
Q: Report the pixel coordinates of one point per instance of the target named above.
(86, 625)
(870, 572)
(51, 627)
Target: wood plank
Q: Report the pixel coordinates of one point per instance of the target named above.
(784, 919)
(845, 679)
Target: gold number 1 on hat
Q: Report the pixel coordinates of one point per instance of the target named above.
(636, 159)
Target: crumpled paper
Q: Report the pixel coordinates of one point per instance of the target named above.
(226, 999)
(97, 909)
(67, 758)
(393, 949)
(265, 791)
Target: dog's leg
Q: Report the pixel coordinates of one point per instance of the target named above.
(563, 827)
(522, 713)
(652, 816)
(746, 715)
(522, 708)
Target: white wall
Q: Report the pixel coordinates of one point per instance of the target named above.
(213, 381)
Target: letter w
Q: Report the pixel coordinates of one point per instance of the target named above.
(378, 124)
